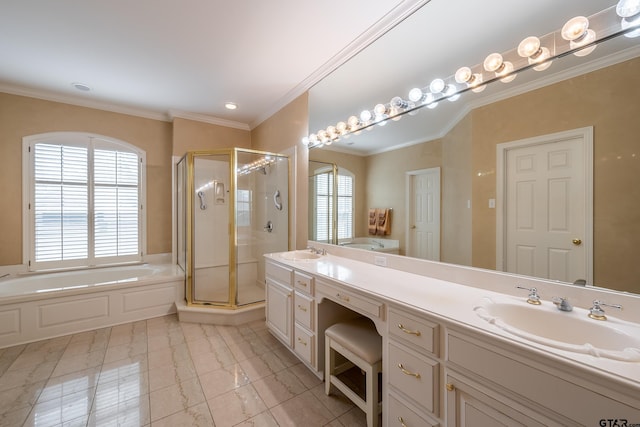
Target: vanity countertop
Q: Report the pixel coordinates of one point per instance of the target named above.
(453, 303)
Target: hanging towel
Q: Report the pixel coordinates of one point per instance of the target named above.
(373, 221)
(384, 222)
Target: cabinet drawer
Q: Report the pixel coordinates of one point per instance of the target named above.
(400, 415)
(303, 282)
(303, 309)
(279, 273)
(414, 376)
(411, 329)
(351, 300)
(303, 344)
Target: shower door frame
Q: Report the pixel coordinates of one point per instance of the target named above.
(232, 303)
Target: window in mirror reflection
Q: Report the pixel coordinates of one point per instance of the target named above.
(328, 225)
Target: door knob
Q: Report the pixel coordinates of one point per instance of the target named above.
(577, 242)
(413, 226)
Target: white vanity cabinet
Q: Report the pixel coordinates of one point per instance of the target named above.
(304, 336)
(279, 297)
(412, 365)
(488, 382)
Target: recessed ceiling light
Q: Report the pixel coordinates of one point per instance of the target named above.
(81, 86)
(230, 105)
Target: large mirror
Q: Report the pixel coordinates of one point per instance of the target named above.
(469, 143)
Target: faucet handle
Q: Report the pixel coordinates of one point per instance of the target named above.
(597, 312)
(562, 303)
(533, 297)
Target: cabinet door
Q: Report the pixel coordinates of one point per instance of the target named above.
(279, 311)
(469, 405)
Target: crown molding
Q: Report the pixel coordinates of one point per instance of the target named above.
(82, 102)
(404, 9)
(204, 118)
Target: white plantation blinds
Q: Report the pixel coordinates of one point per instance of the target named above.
(61, 205)
(115, 203)
(84, 202)
(324, 208)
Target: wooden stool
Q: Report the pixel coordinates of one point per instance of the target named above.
(358, 341)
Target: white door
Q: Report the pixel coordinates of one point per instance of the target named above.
(423, 214)
(547, 206)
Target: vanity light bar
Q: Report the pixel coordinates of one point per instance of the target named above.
(579, 36)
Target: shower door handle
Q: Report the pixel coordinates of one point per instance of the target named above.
(276, 200)
(269, 227)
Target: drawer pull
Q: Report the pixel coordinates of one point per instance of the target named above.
(408, 331)
(301, 341)
(402, 424)
(300, 282)
(302, 308)
(450, 387)
(404, 371)
(343, 297)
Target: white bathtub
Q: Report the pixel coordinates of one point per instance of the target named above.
(39, 306)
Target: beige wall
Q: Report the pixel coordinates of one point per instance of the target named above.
(190, 135)
(283, 133)
(21, 116)
(357, 166)
(605, 99)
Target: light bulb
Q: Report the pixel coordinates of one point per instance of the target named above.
(506, 68)
(475, 83)
(398, 103)
(341, 127)
(380, 110)
(628, 23)
(436, 86)
(331, 132)
(493, 62)
(540, 59)
(322, 136)
(365, 116)
(305, 141)
(429, 100)
(529, 47)
(575, 28)
(353, 122)
(628, 8)
(450, 91)
(313, 139)
(416, 94)
(589, 37)
(463, 75)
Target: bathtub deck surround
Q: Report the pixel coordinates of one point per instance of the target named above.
(441, 354)
(41, 306)
(162, 372)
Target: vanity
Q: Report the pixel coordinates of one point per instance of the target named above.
(457, 346)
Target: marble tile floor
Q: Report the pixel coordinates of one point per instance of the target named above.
(160, 372)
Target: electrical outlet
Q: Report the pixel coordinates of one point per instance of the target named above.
(380, 260)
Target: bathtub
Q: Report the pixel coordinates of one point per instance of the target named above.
(372, 244)
(45, 305)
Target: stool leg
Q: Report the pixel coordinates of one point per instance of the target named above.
(329, 364)
(372, 396)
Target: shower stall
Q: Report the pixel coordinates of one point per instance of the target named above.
(232, 207)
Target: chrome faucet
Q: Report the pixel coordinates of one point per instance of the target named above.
(562, 303)
(533, 297)
(317, 251)
(597, 312)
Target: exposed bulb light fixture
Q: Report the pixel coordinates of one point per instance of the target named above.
(437, 86)
(629, 11)
(624, 18)
(531, 49)
(464, 75)
(495, 64)
(578, 33)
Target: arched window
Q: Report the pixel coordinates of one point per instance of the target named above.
(84, 199)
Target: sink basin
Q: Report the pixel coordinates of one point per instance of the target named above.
(300, 256)
(573, 331)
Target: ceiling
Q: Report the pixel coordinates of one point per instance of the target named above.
(433, 43)
(164, 58)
